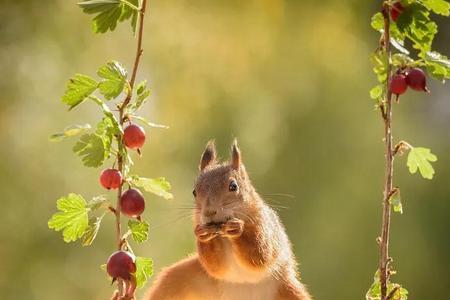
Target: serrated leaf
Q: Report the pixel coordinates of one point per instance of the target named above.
(415, 23)
(395, 201)
(107, 129)
(72, 217)
(78, 89)
(438, 65)
(440, 7)
(92, 230)
(437, 71)
(158, 186)
(69, 131)
(144, 270)
(438, 58)
(420, 158)
(91, 149)
(139, 230)
(110, 12)
(114, 78)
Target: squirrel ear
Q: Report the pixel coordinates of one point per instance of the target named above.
(208, 156)
(235, 156)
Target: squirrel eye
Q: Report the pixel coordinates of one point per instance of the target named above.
(194, 193)
(233, 186)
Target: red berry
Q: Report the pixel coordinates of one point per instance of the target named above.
(398, 84)
(396, 10)
(132, 203)
(121, 264)
(415, 78)
(111, 178)
(134, 136)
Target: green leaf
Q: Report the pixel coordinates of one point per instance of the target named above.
(139, 230)
(148, 123)
(374, 292)
(415, 23)
(379, 62)
(401, 60)
(72, 217)
(110, 12)
(438, 58)
(144, 270)
(395, 201)
(440, 7)
(141, 87)
(114, 78)
(107, 112)
(438, 65)
(78, 89)
(142, 93)
(420, 158)
(399, 294)
(107, 129)
(376, 92)
(91, 232)
(69, 131)
(91, 149)
(377, 22)
(158, 186)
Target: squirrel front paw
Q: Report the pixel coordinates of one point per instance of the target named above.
(232, 228)
(205, 233)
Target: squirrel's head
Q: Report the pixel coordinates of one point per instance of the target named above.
(222, 190)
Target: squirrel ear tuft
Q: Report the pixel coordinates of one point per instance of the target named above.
(208, 156)
(235, 156)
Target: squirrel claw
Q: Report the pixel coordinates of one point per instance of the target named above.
(205, 233)
(232, 228)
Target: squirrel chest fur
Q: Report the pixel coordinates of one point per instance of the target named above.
(243, 252)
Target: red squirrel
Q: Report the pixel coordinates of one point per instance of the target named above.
(243, 252)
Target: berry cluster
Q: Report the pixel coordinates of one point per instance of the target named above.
(407, 77)
(121, 264)
(411, 77)
(132, 202)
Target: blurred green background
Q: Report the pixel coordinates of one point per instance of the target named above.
(289, 79)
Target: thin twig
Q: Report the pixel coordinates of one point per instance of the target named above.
(386, 220)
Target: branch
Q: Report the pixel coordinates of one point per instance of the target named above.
(387, 118)
(120, 145)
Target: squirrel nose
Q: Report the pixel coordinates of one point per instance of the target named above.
(210, 212)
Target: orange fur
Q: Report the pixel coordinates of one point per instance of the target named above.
(243, 252)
